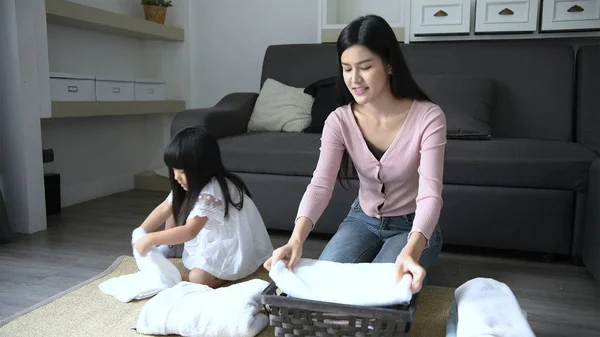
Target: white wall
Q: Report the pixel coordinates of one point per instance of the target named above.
(23, 93)
(231, 37)
(392, 11)
(100, 156)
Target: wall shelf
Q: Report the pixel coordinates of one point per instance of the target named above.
(65, 109)
(71, 14)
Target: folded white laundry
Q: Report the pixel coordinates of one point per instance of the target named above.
(487, 307)
(155, 274)
(190, 309)
(364, 284)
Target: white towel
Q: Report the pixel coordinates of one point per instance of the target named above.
(487, 307)
(190, 309)
(364, 284)
(155, 274)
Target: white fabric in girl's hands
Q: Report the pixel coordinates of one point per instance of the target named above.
(228, 248)
(364, 284)
(155, 274)
(190, 309)
(487, 307)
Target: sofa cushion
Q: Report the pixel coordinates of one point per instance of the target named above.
(518, 163)
(467, 102)
(280, 107)
(272, 152)
(325, 93)
(500, 162)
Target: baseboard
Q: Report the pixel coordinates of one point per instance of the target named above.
(150, 181)
(75, 194)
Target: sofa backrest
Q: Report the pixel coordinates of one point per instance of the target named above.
(535, 82)
(588, 97)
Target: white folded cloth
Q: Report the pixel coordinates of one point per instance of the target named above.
(487, 307)
(190, 309)
(155, 274)
(364, 284)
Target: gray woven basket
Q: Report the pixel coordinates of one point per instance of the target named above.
(297, 317)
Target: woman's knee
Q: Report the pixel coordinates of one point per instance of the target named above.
(352, 243)
(200, 276)
(431, 253)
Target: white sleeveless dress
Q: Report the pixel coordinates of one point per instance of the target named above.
(231, 248)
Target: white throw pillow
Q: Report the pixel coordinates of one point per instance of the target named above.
(281, 108)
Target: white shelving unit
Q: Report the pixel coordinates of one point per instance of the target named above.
(504, 20)
(336, 14)
(467, 20)
(75, 15)
(102, 145)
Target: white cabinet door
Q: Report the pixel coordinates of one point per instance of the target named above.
(570, 15)
(434, 17)
(506, 15)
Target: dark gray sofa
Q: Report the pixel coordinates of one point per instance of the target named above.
(588, 107)
(526, 189)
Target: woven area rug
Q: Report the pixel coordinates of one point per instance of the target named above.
(84, 311)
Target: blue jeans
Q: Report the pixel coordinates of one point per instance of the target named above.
(361, 238)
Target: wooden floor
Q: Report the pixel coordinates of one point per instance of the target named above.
(560, 299)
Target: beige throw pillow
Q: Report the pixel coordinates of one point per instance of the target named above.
(281, 108)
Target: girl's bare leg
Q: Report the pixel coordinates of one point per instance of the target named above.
(199, 276)
(170, 222)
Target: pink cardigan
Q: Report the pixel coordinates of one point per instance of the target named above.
(411, 168)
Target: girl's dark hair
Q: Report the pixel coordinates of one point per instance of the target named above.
(197, 153)
(374, 33)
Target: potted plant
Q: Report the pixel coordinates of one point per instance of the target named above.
(156, 10)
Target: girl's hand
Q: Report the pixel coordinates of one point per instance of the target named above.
(407, 264)
(143, 245)
(291, 252)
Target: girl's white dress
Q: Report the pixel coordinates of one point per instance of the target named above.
(231, 248)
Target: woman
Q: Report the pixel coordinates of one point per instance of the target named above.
(396, 140)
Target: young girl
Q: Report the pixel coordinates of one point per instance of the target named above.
(210, 211)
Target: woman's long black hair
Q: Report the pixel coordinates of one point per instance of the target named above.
(197, 153)
(374, 33)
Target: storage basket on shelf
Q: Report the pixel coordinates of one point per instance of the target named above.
(297, 317)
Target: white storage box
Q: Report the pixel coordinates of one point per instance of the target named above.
(72, 87)
(150, 90)
(570, 15)
(435, 17)
(506, 15)
(114, 89)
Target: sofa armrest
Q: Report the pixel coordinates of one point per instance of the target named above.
(230, 116)
(591, 243)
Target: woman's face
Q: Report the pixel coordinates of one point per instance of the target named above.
(365, 74)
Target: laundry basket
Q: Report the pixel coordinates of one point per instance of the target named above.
(297, 317)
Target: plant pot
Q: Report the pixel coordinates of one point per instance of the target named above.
(156, 14)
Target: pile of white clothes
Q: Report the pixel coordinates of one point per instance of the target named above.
(362, 284)
(185, 308)
(484, 307)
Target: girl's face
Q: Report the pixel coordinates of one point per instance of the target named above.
(180, 178)
(365, 74)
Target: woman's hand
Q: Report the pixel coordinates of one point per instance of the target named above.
(144, 244)
(290, 252)
(405, 263)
